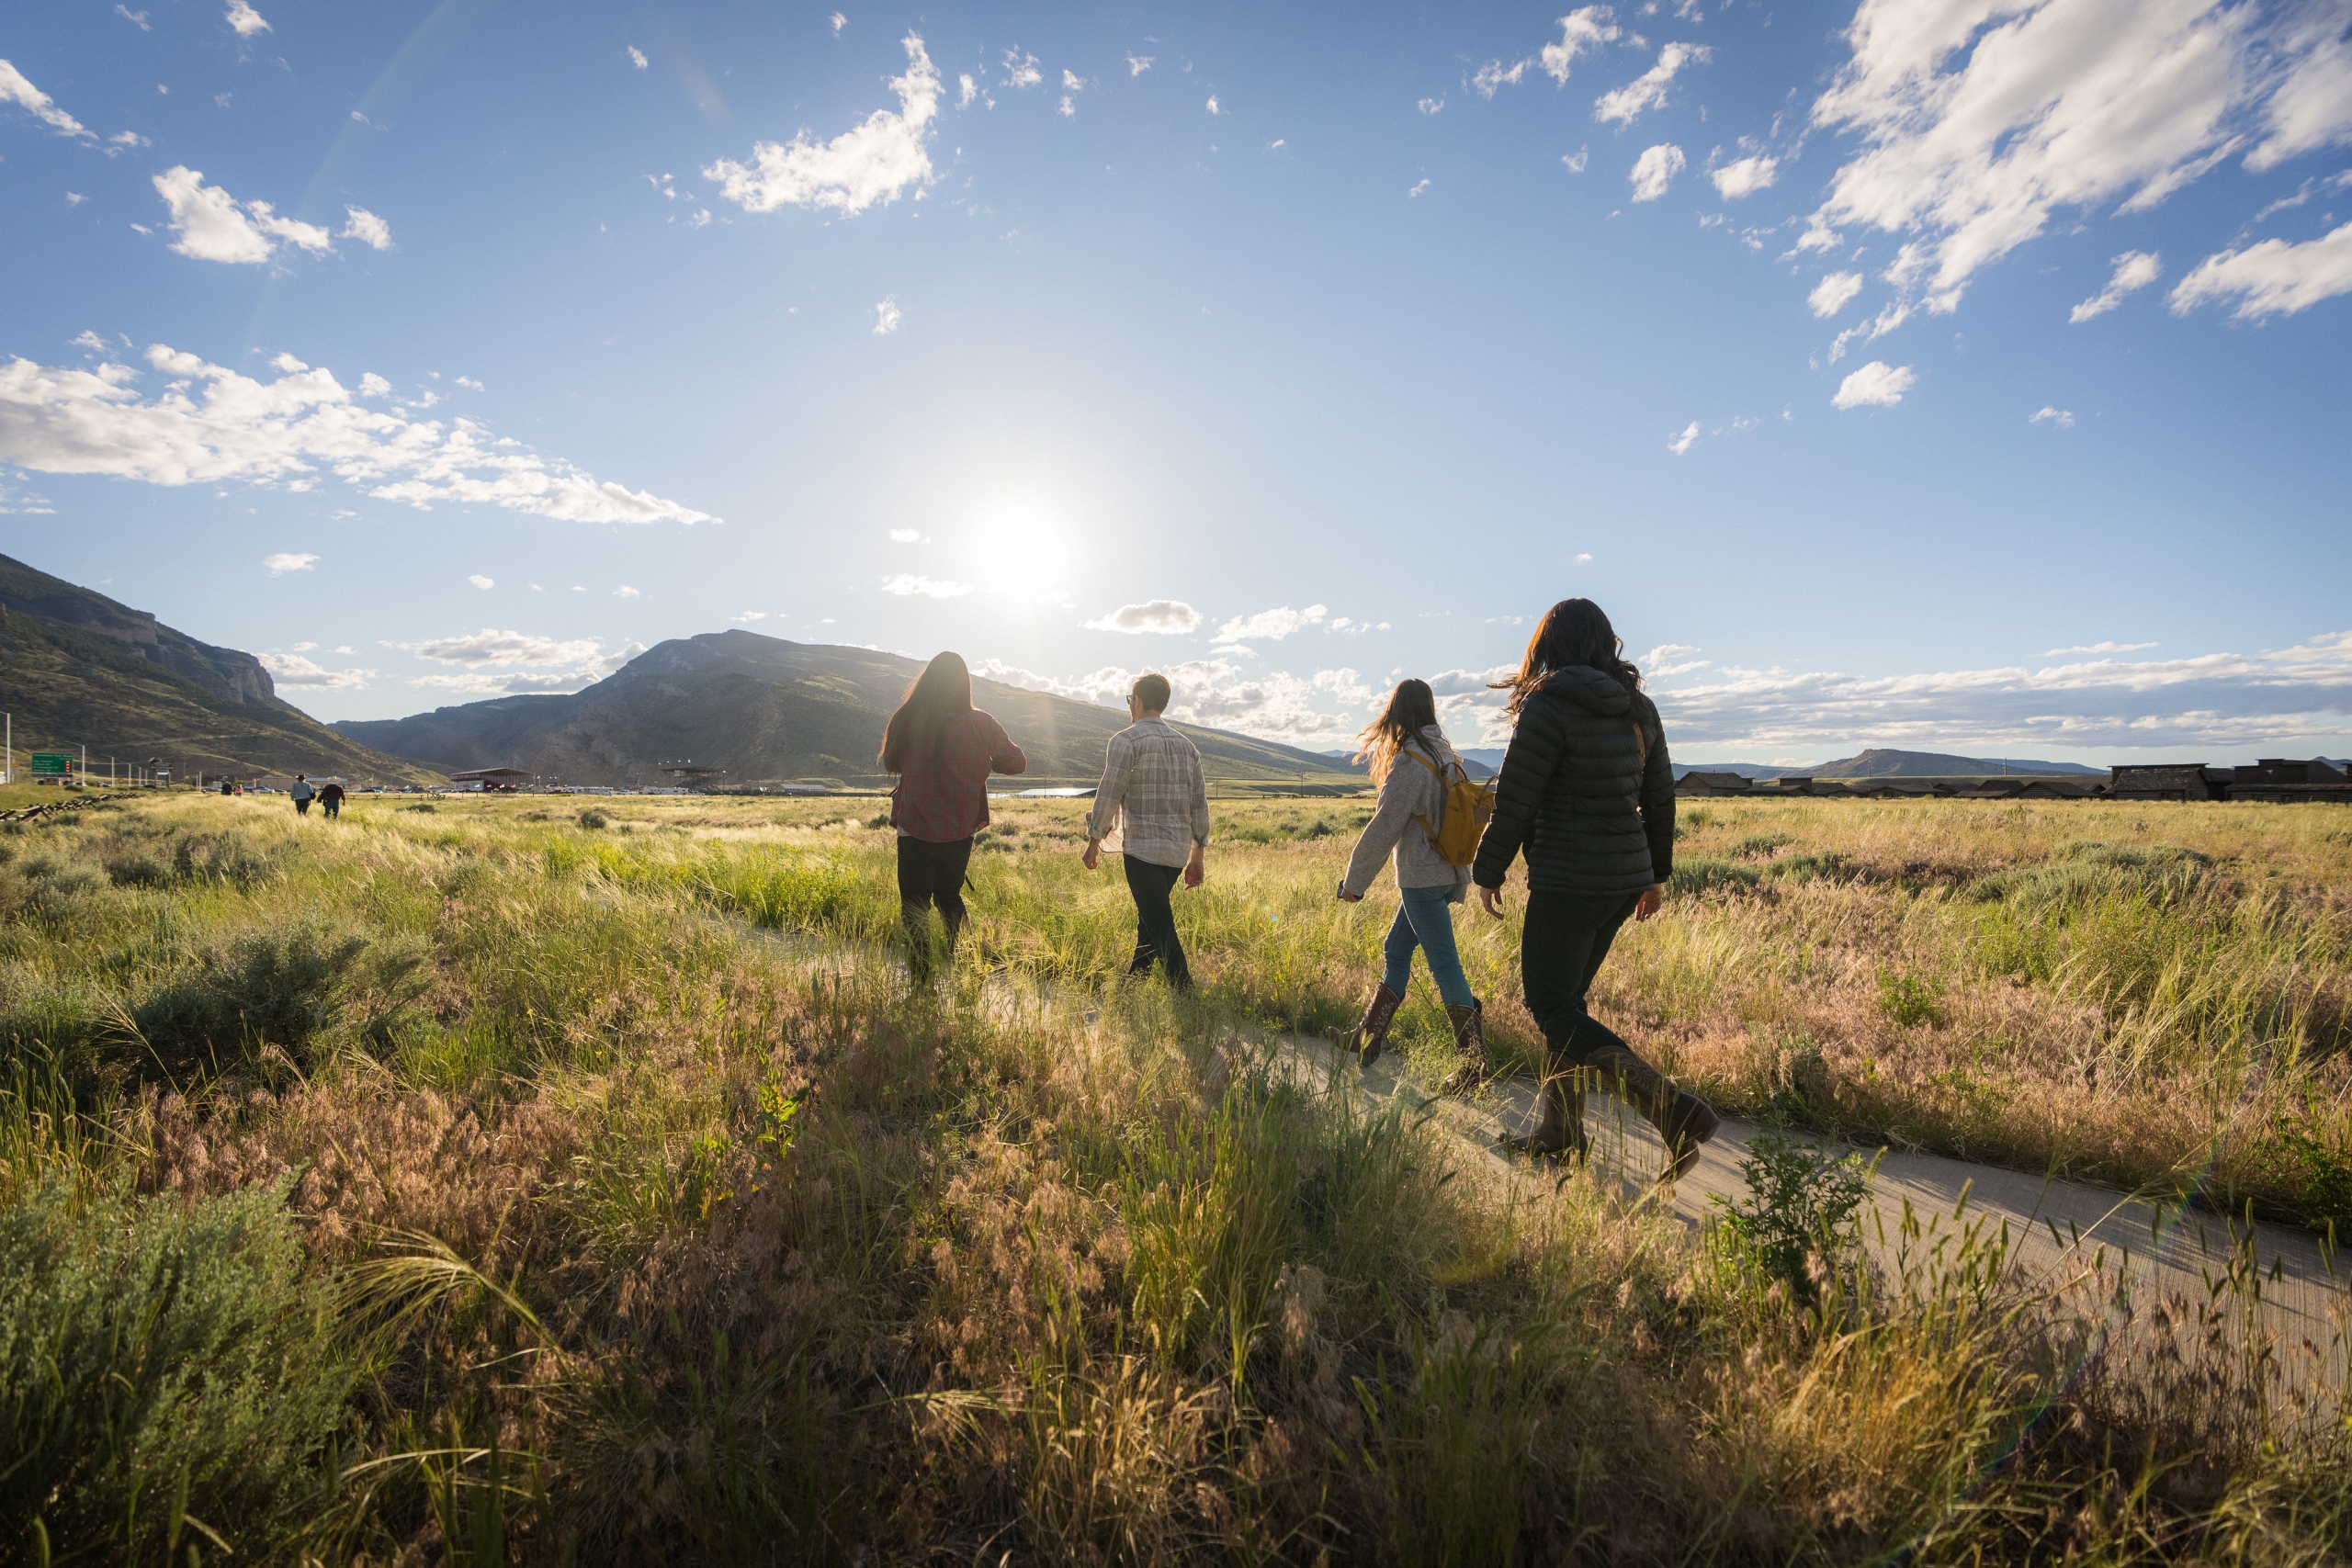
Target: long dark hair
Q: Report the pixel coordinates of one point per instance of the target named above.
(942, 691)
(1574, 631)
(1411, 710)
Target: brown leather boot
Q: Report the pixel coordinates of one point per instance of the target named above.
(1682, 1119)
(1371, 1030)
(1560, 1133)
(1469, 1048)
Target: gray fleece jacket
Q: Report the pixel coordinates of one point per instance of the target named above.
(1409, 796)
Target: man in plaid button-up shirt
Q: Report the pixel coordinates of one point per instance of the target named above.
(1153, 808)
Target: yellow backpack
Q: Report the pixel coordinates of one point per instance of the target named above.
(1468, 805)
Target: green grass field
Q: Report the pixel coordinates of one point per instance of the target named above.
(464, 1182)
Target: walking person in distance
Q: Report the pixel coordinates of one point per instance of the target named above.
(1413, 764)
(1587, 792)
(301, 793)
(1152, 810)
(943, 749)
(330, 798)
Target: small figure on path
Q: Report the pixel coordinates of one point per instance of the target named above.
(1415, 769)
(943, 749)
(1587, 792)
(330, 798)
(301, 793)
(1152, 810)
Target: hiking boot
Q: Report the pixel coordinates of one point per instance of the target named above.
(1560, 1131)
(1371, 1030)
(1469, 1049)
(1682, 1118)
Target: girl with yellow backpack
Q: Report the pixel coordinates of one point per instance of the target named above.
(1428, 819)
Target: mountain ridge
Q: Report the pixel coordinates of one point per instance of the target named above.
(765, 709)
(79, 668)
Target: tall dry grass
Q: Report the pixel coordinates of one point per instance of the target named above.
(660, 1219)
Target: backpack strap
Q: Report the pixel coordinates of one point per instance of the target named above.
(1408, 750)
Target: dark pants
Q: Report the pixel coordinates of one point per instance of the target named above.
(302, 807)
(332, 805)
(1156, 922)
(931, 873)
(1561, 948)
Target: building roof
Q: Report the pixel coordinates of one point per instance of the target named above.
(487, 774)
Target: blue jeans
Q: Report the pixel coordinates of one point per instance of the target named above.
(1425, 920)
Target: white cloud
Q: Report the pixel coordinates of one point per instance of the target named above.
(286, 561)
(2133, 269)
(1212, 105)
(1655, 170)
(1831, 294)
(212, 225)
(907, 585)
(1270, 626)
(1216, 693)
(1138, 63)
(2224, 701)
(1430, 105)
(125, 139)
(1877, 384)
(1577, 159)
(1647, 91)
(2098, 647)
(1666, 653)
(1581, 32)
(2271, 278)
(872, 162)
(16, 89)
(625, 591)
(470, 382)
(293, 669)
(2062, 418)
(491, 646)
(907, 536)
(306, 646)
(1170, 616)
(1021, 70)
(280, 433)
(24, 503)
(637, 57)
(374, 386)
(136, 19)
(1494, 76)
(1417, 190)
(1745, 177)
(245, 19)
(971, 91)
(839, 22)
(368, 229)
(887, 316)
(750, 615)
(1583, 560)
(1682, 442)
(484, 583)
(1978, 119)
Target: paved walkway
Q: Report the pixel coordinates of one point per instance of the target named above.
(2055, 1227)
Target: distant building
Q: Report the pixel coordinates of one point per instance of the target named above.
(508, 779)
(1695, 782)
(2166, 781)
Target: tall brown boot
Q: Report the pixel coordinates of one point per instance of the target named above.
(1469, 1048)
(1560, 1130)
(1682, 1118)
(1371, 1030)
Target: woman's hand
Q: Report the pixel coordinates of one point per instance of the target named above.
(1491, 900)
(1649, 904)
(1345, 897)
(1091, 856)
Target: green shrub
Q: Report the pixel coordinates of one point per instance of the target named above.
(1908, 999)
(168, 1375)
(421, 806)
(274, 986)
(1802, 1201)
(2084, 871)
(1759, 846)
(1822, 865)
(1701, 873)
(595, 817)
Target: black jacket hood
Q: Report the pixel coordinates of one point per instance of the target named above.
(1588, 689)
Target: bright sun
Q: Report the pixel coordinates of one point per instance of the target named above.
(1019, 548)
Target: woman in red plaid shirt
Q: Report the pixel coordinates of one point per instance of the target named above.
(943, 749)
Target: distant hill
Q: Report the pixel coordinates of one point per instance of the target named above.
(1471, 762)
(768, 710)
(77, 668)
(1880, 763)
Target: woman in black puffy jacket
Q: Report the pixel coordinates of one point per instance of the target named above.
(1586, 793)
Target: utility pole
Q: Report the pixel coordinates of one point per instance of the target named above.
(9, 759)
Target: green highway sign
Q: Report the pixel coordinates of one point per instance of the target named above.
(52, 763)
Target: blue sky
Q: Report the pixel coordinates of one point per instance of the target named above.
(1968, 377)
